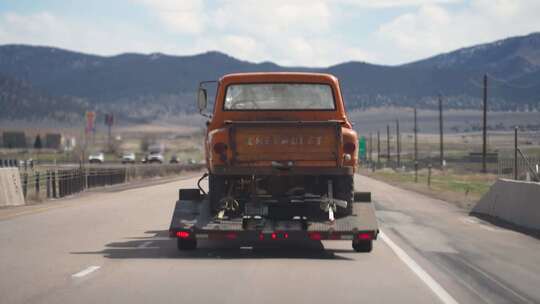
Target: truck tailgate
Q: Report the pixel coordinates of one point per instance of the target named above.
(285, 141)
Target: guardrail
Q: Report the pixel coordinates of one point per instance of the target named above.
(59, 182)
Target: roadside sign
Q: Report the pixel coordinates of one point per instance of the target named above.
(362, 147)
(90, 121)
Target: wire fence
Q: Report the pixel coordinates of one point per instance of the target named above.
(41, 183)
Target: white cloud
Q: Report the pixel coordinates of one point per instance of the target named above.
(432, 29)
(288, 32)
(181, 16)
(394, 3)
(47, 29)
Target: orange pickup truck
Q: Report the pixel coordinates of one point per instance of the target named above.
(281, 156)
(280, 133)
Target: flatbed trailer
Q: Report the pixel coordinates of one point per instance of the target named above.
(192, 220)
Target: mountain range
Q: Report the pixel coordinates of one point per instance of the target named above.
(49, 82)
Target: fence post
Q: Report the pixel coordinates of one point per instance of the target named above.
(61, 183)
(25, 184)
(37, 179)
(48, 183)
(69, 182)
(53, 186)
(429, 176)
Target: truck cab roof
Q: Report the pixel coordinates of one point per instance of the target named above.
(299, 77)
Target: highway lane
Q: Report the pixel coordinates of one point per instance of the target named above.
(112, 247)
(472, 259)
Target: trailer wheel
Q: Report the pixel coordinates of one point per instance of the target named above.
(362, 246)
(344, 190)
(186, 244)
(217, 189)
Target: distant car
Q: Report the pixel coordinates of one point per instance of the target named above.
(155, 158)
(96, 158)
(174, 160)
(128, 158)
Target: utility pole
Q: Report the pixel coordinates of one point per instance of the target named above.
(378, 148)
(415, 137)
(415, 148)
(441, 132)
(515, 153)
(398, 144)
(388, 144)
(370, 148)
(484, 143)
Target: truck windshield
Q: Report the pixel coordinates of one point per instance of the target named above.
(279, 96)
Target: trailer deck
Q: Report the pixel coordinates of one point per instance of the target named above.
(192, 219)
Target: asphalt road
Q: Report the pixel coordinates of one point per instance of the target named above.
(112, 247)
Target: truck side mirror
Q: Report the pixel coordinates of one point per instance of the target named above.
(202, 99)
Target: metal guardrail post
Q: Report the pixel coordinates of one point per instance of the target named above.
(48, 183)
(53, 186)
(37, 180)
(25, 184)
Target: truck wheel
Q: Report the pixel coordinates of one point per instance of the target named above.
(186, 244)
(344, 190)
(217, 190)
(362, 246)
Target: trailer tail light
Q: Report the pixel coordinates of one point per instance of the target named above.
(261, 236)
(349, 147)
(183, 234)
(316, 236)
(285, 235)
(273, 236)
(364, 236)
(220, 148)
(231, 235)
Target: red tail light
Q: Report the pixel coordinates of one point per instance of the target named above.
(349, 147)
(316, 236)
(220, 148)
(364, 236)
(261, 236)
(183, 234)
(273, 236)
(231, 235)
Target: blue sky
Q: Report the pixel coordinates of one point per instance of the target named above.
(288, 32)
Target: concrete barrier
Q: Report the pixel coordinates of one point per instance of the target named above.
(11, 193)
(516, 202)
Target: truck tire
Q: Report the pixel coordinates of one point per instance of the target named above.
(216, 190)
(362, 246)
(186, 244)
(344, 190)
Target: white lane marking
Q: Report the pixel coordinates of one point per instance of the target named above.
(86, 271)
(437, 289)
(145, 244)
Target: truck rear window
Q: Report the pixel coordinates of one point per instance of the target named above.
(279, 96)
